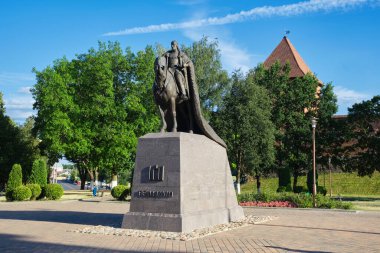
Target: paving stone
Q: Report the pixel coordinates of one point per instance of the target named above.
(42, 226)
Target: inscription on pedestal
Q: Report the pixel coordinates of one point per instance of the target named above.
(153, 194)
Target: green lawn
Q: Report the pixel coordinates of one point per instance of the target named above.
(362, 192)
(344, 184)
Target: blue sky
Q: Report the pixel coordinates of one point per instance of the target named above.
(338, 39)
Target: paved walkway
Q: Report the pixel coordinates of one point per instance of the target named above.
(44, 227)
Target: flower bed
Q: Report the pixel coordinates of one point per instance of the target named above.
(300, 200)
(269, 204)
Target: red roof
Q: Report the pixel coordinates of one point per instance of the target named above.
(286, 52)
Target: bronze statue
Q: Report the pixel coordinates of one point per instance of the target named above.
(176, 93)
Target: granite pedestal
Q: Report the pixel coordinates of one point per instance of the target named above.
(181, 182)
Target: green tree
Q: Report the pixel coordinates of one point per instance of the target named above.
(244, 122)
(101, 108)
(213, 81)
(29, 147)
(14, 180)
(364, 137)
(293, 103)
(17, 145)
(39, 173)
(330, 133)
(9, 135)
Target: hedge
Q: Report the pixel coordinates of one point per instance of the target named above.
(21, 193)
(53, 191)
(14, 181)
(35, 189)
(120, 192)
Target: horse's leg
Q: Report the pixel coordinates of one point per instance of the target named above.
(163, 122)
(190, 115)
(174, 114)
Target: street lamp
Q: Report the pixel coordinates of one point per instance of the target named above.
(314, 125)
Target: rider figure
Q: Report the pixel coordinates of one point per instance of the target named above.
(176, 67)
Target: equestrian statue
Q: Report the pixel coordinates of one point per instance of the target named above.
(176, 93)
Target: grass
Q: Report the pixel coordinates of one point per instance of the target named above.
(76, 194)
(344, 184)
(362, 192)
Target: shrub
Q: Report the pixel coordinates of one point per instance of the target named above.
(53, 191)
(284, 178)
(14, 180)
(120, 192)
(309, 180)
(287, 188)
(39, 173)
(35, 189)
(299, 189)
(43, 192)
(21, 193)
(322, 190)
(301, 200)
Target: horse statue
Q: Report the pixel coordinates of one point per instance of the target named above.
(166, 95)
(179, 113)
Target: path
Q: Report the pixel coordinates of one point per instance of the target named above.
(43, 226)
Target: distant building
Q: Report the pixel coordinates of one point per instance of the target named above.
(285, 52)
(56, 169)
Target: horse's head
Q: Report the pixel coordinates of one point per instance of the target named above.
(160, 70)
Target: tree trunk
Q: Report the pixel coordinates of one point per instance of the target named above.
(82, 176)
(92, 177)
(258, 183)
(295, 180)
(238, 181)
(114, 180)
(96, 178)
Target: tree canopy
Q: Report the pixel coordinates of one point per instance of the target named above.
(17, 145)
(243, 120)
(364, 139)
(93, 108)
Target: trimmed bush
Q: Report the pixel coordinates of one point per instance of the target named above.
(14, 181)
(299, 189)
(53, 191)
(39, 173)
(21, 193)
(309, 180)
(120, 192)
(35, 189)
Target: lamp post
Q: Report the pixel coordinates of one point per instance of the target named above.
(314, 125)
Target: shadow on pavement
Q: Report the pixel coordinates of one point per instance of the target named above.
(326, 229)
(13, 243)
(83, 218)
(298, 250)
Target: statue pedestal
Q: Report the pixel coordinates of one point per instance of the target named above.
(181, 182)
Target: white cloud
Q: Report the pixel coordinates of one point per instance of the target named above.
(19, 108)
(19, 116)
(15, 78)
(24, 90)
(233, 57)
(311, 6)
(24, 102)
(347, 97)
